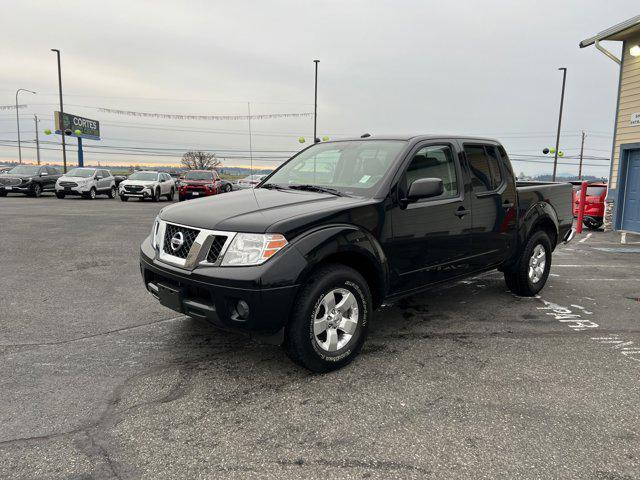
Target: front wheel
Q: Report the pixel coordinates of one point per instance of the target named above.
(60, 195)
(531, 270)
(36, 191)
(112, 192)
(227, 188)
(91, 195)
(329, 323)
(124, 198)
(156, 195)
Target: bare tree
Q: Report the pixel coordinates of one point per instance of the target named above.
(198, 160)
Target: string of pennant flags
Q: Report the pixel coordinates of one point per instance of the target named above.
(172, 116)
(12, 107)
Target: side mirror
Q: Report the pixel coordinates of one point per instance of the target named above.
(425, 188)
(44, 174)
(98, 177)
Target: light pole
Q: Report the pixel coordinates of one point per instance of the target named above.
(35, 118)
(64, 146)
(18, 121)
(315, 104)
(555, 158)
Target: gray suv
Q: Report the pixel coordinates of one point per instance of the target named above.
(87, 182)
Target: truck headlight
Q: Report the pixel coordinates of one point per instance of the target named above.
(154, 233)
(252, 249)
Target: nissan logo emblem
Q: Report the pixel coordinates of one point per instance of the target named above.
(177, 241)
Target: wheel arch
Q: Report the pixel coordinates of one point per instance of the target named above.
(347, 245)
(541, 216)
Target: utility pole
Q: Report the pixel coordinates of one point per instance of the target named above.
(35, 118)
(581, 153)
(18, 121)
(64, 146)
(555, 158)
(315, 105)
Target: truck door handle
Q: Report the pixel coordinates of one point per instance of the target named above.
(461, 212)
(507, 204)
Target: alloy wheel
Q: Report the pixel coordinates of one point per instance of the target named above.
(537, 263)
(335, 320)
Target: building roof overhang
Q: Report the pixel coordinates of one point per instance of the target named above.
(618, 32)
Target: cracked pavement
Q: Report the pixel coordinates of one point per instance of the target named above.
(99, 381)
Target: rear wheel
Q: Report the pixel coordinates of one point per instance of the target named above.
(530, 272)
(329, 324)
(60, 194)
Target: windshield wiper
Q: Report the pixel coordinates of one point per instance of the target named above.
(273, 186)
(316, 188)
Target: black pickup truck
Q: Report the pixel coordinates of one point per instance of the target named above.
(345, 226)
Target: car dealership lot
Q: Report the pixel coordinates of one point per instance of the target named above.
(100, 381)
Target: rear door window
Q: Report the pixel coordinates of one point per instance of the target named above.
(484, 164)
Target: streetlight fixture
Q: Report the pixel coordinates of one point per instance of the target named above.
(18, 120)
(64, 146)
(555, 158)
(315, 104)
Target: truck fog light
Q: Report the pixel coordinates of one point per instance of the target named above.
(242, 308)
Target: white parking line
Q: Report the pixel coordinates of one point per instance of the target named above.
(586, 238)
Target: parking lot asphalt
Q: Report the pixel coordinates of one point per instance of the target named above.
(97, 380)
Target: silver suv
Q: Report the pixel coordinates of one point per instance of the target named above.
(87, 182)
(147, 184)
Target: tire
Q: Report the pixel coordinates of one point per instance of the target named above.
(3, 194)
(112, 192)
(36, 190)
(156, 195)
(171, 195)
(181, 198)
(527, 276)
(592, 224)
(91, 195)
(124, 198)
(320, 350)
(60, 195)
(227, 188)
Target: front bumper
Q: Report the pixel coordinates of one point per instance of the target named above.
(78, 190)
(212, 293)
(141, 194)
(22, 188)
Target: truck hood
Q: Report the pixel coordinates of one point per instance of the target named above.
(259, 210)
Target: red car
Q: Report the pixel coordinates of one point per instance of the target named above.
(199, 183)
(594, 203)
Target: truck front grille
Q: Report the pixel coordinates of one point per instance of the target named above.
(216, 248)
(188, 236)
(68, 184)
(133, 188)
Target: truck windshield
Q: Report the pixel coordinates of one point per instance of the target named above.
(144, 176)
(353, 167)
(81, 172)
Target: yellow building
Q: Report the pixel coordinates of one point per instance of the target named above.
(623, 198)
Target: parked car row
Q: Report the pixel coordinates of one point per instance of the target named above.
(89, 182)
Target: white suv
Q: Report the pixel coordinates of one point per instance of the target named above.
(87, 182)
(147, 184)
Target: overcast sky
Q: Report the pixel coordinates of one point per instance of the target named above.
(468, 67)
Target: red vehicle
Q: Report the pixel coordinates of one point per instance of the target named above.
(594, 203)
(199, 183)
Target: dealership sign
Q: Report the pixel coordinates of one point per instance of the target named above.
(77, 126)
(635, 119)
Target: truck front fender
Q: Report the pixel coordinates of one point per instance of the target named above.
(350, 245)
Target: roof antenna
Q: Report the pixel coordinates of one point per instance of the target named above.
(365, 135)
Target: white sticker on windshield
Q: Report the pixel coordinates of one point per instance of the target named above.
(365, 178)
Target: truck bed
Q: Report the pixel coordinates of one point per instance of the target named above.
(556, 194)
